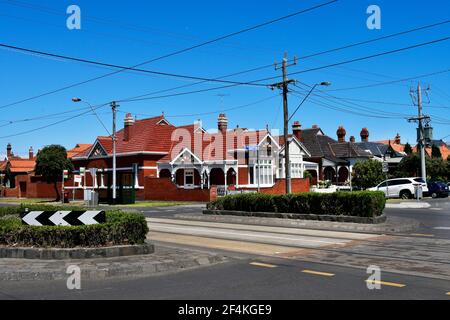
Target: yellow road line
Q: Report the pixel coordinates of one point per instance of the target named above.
(390, 284)
(263, 265)
(423, 235)
(317, 273)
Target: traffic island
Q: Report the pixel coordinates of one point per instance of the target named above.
(355, 207)
(42, 232)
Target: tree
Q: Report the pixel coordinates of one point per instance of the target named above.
(50, 164)
(367, 174)
(408, 149)
(409, 166)
(437, 168)
(436, 152)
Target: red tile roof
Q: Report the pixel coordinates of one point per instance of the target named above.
(79, 148)
(21, 165)
(395, 146)
(445, 151)
(158, 136)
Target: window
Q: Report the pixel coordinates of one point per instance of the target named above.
(296, 170)
(251, 176)
(265, 173)
(189, 178)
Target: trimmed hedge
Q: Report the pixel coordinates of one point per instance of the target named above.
(121, 228)
(355, 204)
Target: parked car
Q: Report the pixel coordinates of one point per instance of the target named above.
(404, 188)
(438, 189)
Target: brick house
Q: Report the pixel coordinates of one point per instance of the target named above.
(335, 158)
(162, 161)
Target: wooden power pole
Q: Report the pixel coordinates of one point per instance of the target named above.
(284, 86)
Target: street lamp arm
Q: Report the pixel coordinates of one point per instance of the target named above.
(304, 100)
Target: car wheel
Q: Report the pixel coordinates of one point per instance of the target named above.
(434, 195)
(405, 195)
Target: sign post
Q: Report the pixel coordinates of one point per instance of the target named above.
(64, 177)
(386, 171)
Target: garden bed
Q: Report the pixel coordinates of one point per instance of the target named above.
(120, 229)
(357, 207)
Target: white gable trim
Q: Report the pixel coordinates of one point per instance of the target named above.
(97, 143)
(163, 121)
(272, 138)
(300, 144)
(181, 154)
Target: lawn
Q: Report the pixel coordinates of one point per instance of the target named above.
(138, 204)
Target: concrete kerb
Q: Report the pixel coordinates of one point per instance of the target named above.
(392, 224)
(165, 260)
(75, 253)
(298, 216)
(408, 205)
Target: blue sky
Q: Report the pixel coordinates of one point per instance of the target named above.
(128, 33)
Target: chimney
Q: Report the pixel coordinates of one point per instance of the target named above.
(341, 133)
(31, 153)
(315, 126)
(128, 123)
(297, 130)
(222, 123)
(398, 139)
(352, 139)
(8, 151)
(365, 135)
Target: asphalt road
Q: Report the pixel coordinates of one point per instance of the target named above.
(434, 221)
(243, 280)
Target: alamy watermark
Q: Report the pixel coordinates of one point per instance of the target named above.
(73, 22)
(374, 19)
(374, 281)
(74, 279)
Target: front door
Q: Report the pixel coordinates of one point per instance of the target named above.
(189, 179)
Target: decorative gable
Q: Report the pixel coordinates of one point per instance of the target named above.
(98, 151)
(186, 157)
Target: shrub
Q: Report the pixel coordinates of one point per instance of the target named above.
(356, 204)
(121, 228)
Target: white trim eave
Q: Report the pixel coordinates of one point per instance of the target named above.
(300, 144)
(125, 154)
(182, 152)
(272, 138)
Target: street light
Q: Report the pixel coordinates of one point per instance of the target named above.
(288, 165)
(113, 137)
(323, 84)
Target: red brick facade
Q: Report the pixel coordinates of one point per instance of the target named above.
(164, 189)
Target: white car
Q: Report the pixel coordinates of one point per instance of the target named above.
(404, 188)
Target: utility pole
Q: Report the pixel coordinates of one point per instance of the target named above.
(114, 136)
(421, 139)
(284, 85)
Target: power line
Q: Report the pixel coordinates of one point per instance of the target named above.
(354, 105)
(299, 72)
(52, 124)
(378, 39)
(393, 81)
(178, 52)
(209, 112)
(373, 56)
(109, 65)
(302, 57)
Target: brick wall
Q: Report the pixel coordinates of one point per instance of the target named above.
(33, 188)
(298, 186)
(164, 190)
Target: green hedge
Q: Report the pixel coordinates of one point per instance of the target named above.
(356, 204)
(121, 228)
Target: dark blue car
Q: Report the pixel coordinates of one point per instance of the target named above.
(438, 189)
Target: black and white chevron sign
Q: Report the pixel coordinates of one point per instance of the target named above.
(63, 218)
